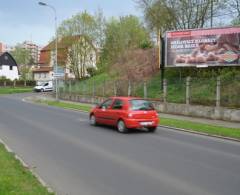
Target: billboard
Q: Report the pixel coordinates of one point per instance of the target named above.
(203, 47)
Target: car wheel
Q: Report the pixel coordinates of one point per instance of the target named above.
(121, 127)
(93, 120)
(152, 129)
(42, 90)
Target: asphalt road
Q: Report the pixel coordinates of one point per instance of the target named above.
(77, 159)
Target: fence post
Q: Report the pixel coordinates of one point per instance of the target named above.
(218, 92)
(5, 83)
(145, 89)
(129, 88)
(93, 89)
(70, 86)
(104, 83)
(84, 88)
(115, 88)
(165, 90)
(188, 90)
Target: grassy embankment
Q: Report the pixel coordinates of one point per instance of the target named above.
(15, 179)
(202, 90)
(12, 90)
(189, 125)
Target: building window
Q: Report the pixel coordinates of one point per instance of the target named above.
(10, 67)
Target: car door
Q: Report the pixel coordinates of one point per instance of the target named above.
(116, 111)
(102, 112)
(46, 88)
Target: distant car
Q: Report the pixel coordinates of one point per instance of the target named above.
(45, 86)
(125, 113)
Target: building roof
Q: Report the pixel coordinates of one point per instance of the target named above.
(7, 59)
(42, 69)
(63, 44)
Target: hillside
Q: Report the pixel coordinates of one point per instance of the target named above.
(136, 65)
(140, 65)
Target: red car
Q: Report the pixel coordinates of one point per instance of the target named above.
(125, 113)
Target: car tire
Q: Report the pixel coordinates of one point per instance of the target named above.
(42, 90)
(121, 127)
(92, 120)
(152, 129)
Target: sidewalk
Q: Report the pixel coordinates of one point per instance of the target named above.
(164, 115)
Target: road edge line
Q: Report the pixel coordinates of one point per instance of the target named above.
(25, 165)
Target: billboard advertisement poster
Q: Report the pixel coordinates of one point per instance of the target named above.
(203, 47)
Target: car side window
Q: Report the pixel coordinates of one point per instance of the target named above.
(106, 104)
(117, 105)
(46, 84)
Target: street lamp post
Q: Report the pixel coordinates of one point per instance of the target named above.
(56, 44)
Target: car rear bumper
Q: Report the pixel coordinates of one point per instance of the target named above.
(139, 123)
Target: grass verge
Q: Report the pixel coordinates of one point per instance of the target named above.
(11, 90)
(203, 128)
(15, 179)
(75, 106)
(189, 125)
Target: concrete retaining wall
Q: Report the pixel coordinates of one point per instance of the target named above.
(219, 113)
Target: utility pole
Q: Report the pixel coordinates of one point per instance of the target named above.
(56, 43)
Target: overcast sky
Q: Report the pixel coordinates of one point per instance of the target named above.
(25, 20)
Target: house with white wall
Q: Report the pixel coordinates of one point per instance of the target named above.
(8, 66)
(66, 48)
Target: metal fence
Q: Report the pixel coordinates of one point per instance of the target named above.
(17, 83)
(199, 91)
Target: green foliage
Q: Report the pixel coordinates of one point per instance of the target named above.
(200, 127)
(91, 31)
(84, 23)
(15, 179)
(25, 72)
(123, 34)
(3, 78)
(12, 90)
(168, 15)
(92, 71)
(66, 105)
(22, 55)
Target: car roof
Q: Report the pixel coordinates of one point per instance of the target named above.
(125, 98)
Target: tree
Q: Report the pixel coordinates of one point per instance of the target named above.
(91, 30)
(25, 72)
(80, 56)
(234, 8)
(180, 14)
(83, 23)
(122, 34)
(21, 55)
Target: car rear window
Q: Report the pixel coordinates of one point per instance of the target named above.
(139, 104)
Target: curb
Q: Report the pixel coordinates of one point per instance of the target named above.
(169, 127)
(200, 133)
(25, 165)
(71, 109)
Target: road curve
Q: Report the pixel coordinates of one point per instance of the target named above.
(75, 158)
